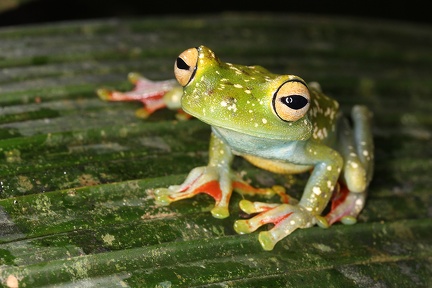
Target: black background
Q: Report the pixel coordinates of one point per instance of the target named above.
(41, 11)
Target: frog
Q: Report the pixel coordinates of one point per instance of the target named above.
(282, 124)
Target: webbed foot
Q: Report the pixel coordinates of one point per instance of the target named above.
(285, 217)
(204, 179)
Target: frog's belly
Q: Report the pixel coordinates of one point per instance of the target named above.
(276, 166)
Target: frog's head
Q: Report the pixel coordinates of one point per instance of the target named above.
(246, 99)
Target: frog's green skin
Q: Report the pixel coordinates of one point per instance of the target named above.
(249, 119)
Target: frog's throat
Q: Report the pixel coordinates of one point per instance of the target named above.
(261, 147)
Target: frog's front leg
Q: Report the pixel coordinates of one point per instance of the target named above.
(286, 218)
(154, 95)
(215, 179)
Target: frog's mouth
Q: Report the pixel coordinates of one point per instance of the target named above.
(273, 129)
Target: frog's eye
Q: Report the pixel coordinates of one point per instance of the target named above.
(291, 100)
(185, 66)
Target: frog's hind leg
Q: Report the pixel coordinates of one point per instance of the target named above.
(356, 147)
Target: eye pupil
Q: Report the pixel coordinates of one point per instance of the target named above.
(181, 64)
(295, 102)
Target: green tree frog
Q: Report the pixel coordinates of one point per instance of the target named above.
(279, 123)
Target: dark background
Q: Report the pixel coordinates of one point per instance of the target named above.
(39, 11)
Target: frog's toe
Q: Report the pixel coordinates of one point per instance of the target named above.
(247, 206)
(162, 191)
(242, 227)
(348, 220)
(285, 198)
(134, 77)
(256, 207)
(163, 200)
(322, 222)
(267, 240)
(104, 94)
(220, 212)
(162, 196)
(142, 113)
